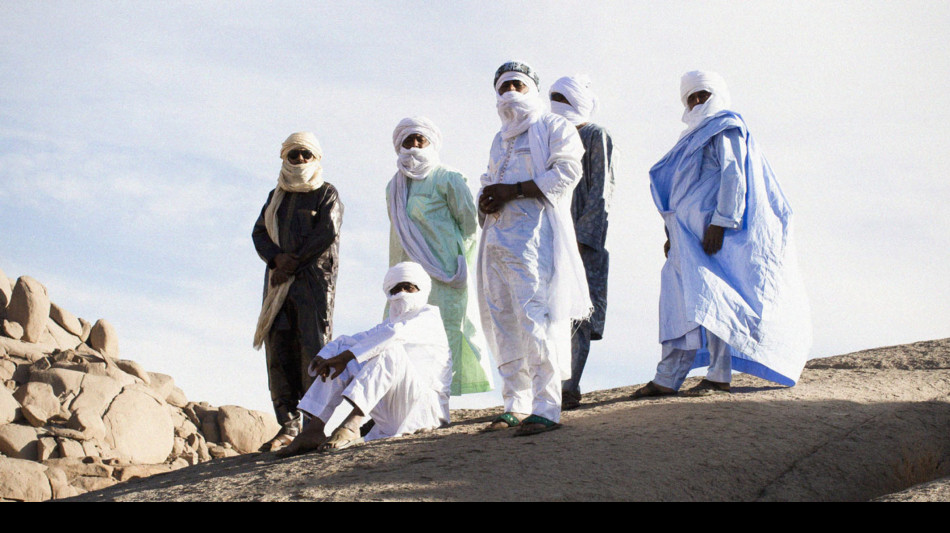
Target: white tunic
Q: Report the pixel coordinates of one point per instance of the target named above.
(401, 376)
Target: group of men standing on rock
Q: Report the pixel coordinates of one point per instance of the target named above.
(730, 297)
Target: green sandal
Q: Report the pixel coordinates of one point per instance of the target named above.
(545, 426)
(507, 418)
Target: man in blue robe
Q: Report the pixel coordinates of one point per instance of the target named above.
(731, 295)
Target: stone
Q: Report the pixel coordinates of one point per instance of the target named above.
(86, 328)
(162, 384)
(63, 381)
(70, 448)
(65, 319)
(179, 447)
(61, 338)
(29, 306)
(138, 426)
(177, 398)
(23, 481)
(46, 449)
(8, 406)
(18, 441)
(96, 393)
(90, 484)
(89, 423)
(81, 467)
(40, 395)
(6, 291)
(7, 369)
(103, 339)
(244, 429)
(130, 472)
(185, 429)
(91, 448)
(209, 426)
(178, 464)
(59, 484)
(12, 330)
(134, 369)
(25, 350)
(219, 452)
(35, 415)
(65, 433)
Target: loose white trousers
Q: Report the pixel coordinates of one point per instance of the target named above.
(679, 354)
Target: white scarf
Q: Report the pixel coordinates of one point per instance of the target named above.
(518, 111)
(576, 89)
(417, 163)
(404, 304)
(293, 178)
(719, 100)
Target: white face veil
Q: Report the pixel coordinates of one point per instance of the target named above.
(583, 102)
(404, 304)
(696, 81)
(416, 163)
(517, 110)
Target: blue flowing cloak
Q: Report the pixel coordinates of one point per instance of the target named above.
(750, 293)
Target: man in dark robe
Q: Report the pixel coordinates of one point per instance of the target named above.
(298, 236)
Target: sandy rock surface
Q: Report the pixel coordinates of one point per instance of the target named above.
(857, 427)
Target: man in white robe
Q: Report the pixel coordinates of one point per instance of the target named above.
(398, 373)
(731, 294)
(531, 280)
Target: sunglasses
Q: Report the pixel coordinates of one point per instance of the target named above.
(297, 153)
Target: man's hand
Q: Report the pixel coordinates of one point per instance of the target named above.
(322, 367)
(712, 239)
(666, 248)
(494, 197)
(284, 266)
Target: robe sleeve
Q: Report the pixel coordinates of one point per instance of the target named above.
(564, 163)
(266, 248)
(731, 152)
(373, 342)
(325, 231)
(591, 223)
(459, 200)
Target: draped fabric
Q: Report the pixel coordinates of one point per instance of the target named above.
(583, 102)
(750, 293)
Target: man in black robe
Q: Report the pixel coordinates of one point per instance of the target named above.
(298, 236)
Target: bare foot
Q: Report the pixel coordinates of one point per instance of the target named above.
(309, 439)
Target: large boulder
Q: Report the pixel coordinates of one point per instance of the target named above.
(138, 426)
(23, 481)
(134, 369)
(8, 404)
(96, 394)
(40, 395)
(18, 441)
(103, 338)
(61, 338)
(65, 319)
(11, 329)
(244, 429)
(29, 307)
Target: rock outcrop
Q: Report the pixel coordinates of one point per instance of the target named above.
(75, 418)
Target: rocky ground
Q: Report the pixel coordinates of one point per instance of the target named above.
(863, 426)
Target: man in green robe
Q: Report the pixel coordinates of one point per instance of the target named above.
(433, 223)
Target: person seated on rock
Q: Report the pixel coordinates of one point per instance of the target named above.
(399, 373)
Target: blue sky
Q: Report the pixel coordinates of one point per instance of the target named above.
(138, 142)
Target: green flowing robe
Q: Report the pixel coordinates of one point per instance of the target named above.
(441, 206)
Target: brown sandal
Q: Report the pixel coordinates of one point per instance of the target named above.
(651, 390)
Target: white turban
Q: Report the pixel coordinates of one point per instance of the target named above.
(582, 100)
(416, 163)
(308, 176)
(517, 110)
(695, 81)
(403, 304)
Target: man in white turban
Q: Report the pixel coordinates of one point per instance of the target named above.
(572, 98)
(298, 236)
(731, 296)
(433, 223)
(398, 372)
(531, 280)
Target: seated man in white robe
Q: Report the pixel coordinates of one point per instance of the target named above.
(399, 373)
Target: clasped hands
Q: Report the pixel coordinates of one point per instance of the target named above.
(494, 197)
(284, 267)
(321, 367)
